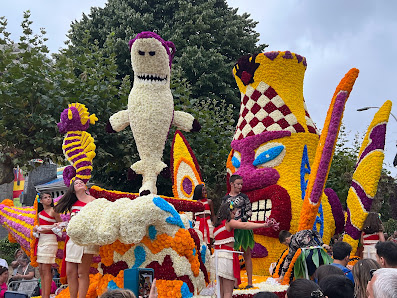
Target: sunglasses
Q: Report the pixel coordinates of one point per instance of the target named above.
(372, 272)
(317, 294)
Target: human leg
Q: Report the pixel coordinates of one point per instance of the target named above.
(83, 274)
(73, 278)
(46, 279)
(228, 286)
(248, 264)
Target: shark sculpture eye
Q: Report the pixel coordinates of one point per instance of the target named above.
(141, 53)
(236, 159)
(269, 155)
(152, 53)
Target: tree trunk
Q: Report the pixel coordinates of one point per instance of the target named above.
(6, 171)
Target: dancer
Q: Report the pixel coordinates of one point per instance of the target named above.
(78, 258)
(372, 233)
(47, 246)
(244, 239)
(228, 263)
(204, 219)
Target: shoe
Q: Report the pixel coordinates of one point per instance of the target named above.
(249, 287)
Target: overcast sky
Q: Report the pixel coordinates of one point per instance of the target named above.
(334, 36)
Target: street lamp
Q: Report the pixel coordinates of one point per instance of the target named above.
(367, 108)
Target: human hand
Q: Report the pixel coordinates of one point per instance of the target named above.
(35, 228)
(153, 290)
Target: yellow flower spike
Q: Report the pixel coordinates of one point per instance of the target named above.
(366, 176)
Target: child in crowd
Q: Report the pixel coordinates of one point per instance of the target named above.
(228, 267)
(372, 233)
(204, 219)
(47, 246)
(3, 280)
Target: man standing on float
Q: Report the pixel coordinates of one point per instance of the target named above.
(243, 239)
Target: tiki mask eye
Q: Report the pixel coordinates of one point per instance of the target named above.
(269, 155)
(141, 53)
(236, 159)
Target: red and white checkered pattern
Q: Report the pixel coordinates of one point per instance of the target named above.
(309, 122)
(263, 109)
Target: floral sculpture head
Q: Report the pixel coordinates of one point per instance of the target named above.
(149, 56)
(273, 146)
(75, 118)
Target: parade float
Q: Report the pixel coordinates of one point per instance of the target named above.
(276, 148)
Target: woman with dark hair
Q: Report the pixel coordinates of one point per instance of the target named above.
(362, 275)
(372, 234)
(78, 258)
(228, 267)
(47, 245)
(204, 219)
(3, 280)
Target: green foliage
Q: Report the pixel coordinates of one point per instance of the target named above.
(28, 97)
(390, 226)
(209, 37)
(7, 249)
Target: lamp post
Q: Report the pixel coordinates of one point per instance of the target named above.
(395, 118)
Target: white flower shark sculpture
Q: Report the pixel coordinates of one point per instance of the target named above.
(150, 110)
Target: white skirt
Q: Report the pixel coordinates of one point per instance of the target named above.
(225, 265)
(47, 248)
(75, 252)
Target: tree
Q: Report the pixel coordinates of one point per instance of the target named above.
(28, 99)
(209, 37)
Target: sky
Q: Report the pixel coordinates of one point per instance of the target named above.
(334, 36)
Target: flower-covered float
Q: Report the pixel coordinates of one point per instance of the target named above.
(276, 148)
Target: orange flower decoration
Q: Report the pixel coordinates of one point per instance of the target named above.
(287, 275)
(169, 288)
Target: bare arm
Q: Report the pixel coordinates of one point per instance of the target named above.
(234, 224)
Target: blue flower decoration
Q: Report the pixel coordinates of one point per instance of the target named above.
(268, 155)
(174, 219)
(140, 256)
(235, 162)
(185, 291)
(152, 232)
(203, 252)
(112, 285)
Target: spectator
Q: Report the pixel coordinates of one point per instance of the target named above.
(386, 254)
(119, 293)
(341, 254)
(361, 274)
(304, 288)
(337, 286)
(3, 280)
(14, 264)
(372, 233)
(24, 271)
(265, 295)
(383, 284)
(326, 270)
(3, 263)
